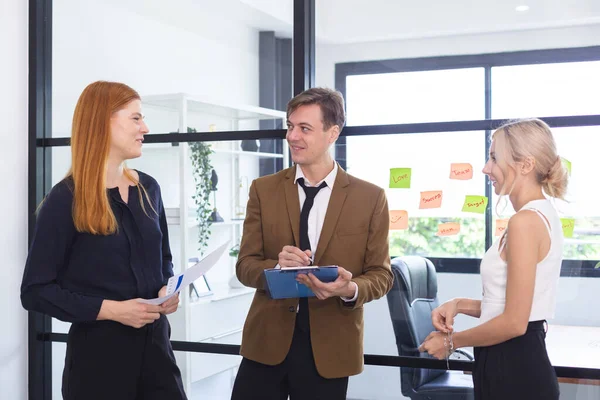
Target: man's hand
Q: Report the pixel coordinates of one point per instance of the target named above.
(341, 287)
(169, 306)
(291, 256)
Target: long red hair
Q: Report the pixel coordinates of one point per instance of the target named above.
(90, 146)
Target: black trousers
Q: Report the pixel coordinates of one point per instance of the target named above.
(516, 369)
(296, 376)
(108, 360)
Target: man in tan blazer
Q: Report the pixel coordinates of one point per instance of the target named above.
(311, 214)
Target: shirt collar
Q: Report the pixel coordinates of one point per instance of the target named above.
(329, 179)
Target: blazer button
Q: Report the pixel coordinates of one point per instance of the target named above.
(292, 309)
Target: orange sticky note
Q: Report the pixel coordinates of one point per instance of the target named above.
(398, 219)
(448, 229)
(461, 171)
(431, 199)
(501, 225)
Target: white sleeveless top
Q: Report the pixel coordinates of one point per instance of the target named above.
(493, 270)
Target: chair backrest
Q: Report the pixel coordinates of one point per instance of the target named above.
(411, 300)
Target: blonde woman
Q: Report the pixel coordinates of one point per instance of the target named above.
(519, 273)
(101, 242)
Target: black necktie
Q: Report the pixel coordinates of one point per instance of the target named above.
(311, 193)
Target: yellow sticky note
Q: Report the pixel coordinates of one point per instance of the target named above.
(567, 164)
(568, 224)
(501, 225)
(475, 204)
(448, 229)
(431, 199)
(461, 171)
(398, 219)
(400, 178)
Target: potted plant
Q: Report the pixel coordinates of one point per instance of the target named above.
(234, 281)
(202, 169)
(234, 251)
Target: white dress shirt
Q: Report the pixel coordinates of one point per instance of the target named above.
(316, 216)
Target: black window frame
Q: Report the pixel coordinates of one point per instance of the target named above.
(570, 268)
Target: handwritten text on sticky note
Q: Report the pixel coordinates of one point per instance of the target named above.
(448, 229)
(431, 199)
(461, 171)
(398, 219)
(501, 225)
(400, 178)
(475, 204)
(568, 224)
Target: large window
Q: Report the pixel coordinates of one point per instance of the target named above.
(568, 88)
(422, 96)
(429, 157)
(462, 94)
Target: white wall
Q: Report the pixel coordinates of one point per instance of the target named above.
(153, 57)
(96, 39)
(328, 55)
(13, 200)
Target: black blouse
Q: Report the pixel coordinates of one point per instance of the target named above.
(68, 273)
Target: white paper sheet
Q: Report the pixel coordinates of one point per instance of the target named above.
(177, 282)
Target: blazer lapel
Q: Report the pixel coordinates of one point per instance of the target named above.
(293, 204)
(334, 209)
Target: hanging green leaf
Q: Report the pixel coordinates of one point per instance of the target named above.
(201, 169)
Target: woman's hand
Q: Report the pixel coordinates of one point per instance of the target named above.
(130, 312)
(169, 306)
(442, 317)
(436, 344)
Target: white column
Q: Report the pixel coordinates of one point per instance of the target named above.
(13, 195)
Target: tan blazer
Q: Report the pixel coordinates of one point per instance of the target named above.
(354, 236)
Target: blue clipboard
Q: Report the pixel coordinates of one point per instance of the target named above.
(282, 284)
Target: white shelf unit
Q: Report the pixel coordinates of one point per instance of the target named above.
(209, 106)
(217, 318)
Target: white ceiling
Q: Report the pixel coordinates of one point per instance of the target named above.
(349, 21)
(354, 21)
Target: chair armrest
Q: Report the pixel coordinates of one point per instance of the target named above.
(464, 353)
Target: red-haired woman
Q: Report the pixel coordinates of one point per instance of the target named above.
(100, 244)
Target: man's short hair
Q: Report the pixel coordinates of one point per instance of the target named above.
(330, 101)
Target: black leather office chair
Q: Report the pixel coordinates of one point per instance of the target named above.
(411, 300)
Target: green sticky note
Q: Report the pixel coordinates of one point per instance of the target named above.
(475, 204)
(568, 224)
(597, 265)
(400, 178)
(567, 164)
